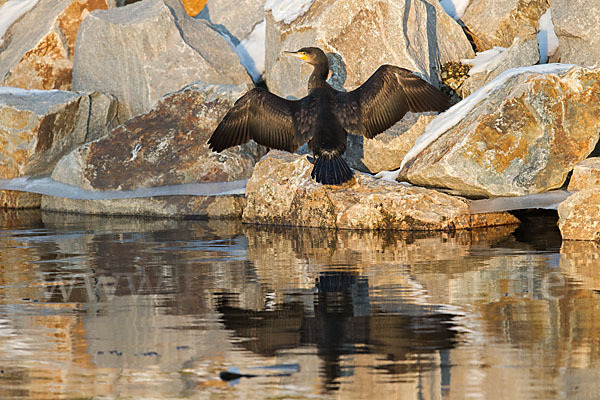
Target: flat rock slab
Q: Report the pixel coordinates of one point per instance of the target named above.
(578, 215)
(585, 174)
(17, 199)
(282, 192)
(227, 206)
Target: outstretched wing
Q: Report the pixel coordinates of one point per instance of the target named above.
(264, 117)
(383, 100)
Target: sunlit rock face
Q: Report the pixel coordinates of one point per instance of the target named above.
(140, 52)
(499, 22)
(165, 146)
(578, 215)
(585, 174)
(238, 17)
(577, 25)
(361, 36)
(385, 151)
(282, 192)
(523, 138)
(37, 51)
(522, 52)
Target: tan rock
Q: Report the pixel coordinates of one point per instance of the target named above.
(16, 199)
(499, 22)
(585, 174)
(577, 26)
(282, 192)
(229, 206)
(578, 216)
(524, 137)
(38, 48)
(361, 36)
(386, 151)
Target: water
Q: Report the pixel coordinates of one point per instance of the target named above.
(98, 307)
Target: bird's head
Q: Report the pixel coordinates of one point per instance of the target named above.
(311, 55)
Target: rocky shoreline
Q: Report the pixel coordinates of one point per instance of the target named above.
(106, 96)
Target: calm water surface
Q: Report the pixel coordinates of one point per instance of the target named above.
(97, 307)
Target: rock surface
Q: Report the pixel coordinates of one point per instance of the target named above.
(165, 146)
(386, 151)
(229, 206)
(523, 52)
(578, 215)
(361, 36)
(577, 25)
(282, 192)
(37, 51)
(140, 52)
(499, 22)
(523, 138)
(585, 174)
(238, 18)
(38, 127)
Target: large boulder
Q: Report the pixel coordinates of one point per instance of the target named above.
(578, 215)
(37, 49)
(282, 192)
(499, 22)
(520, 134)
(165, 146)
(147, 49)
(585, 174)
(577, 25)
(361, 36)
(237, 18)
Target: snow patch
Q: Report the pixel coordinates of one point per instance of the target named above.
(11, 11)
(547, 39)
(549, 200)
(251, 52)
(446, 120)
(287, 10)
(50, 187)
(485, 61)
(455, 8)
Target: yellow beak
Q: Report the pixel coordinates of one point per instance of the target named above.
(296, 54)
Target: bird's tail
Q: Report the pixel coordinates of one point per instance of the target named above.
(331, 171)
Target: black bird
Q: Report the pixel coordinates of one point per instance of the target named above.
(326, 115)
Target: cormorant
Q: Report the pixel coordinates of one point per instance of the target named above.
(326, 115)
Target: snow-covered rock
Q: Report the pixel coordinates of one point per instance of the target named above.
(360, 36)
(282, 192)
(165, 146)
(585, 174)
(520, 134)
(577, 25)
(489, 64)
(147, 49)
(547, 39)
(578, 215)
(499, 22)
(36, 51)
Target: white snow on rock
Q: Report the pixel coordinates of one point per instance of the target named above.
(455, 8)
(547, 39)
(548, 200)
(457, 112)
(11, 11)
(251, 52)
(287, 10)
(484, 61)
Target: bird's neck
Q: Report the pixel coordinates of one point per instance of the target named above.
(318, 78)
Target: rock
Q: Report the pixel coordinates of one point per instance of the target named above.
(37, 51)
(523, 137)
(523, 52)
(585, 174)
(578, 215)
(39, 127)
(228, 206)
(499, 22)
(386, 151)
(236, 18)
(361, 36)
(165, 50)
(194, 7)
(14, 199)
(577, 25)
(282, 192)
(165, 146)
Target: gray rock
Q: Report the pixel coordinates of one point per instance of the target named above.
(142, 51)
(577, 25)
(499, 22)
(523, 52)
(237, 18)
(361, 36)
(524, 137)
